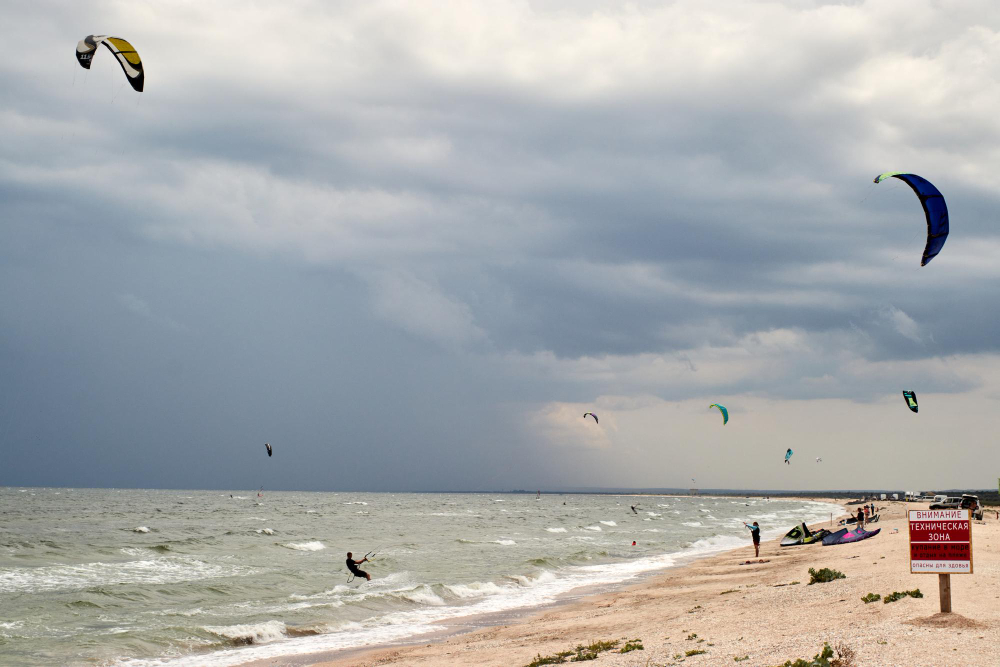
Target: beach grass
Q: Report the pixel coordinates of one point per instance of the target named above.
(632, 645)
(580, 653)
(842, 656)
(824, 575)
(899, 595)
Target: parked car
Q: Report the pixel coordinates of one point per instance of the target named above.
(946, 503)
(971, 503)
(966, 502)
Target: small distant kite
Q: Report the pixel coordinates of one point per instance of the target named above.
(126, 54)
(722, 409)
(585, 414)
(819, 460)
(935, 210)
(911, 399)
(788, 455)
(268, 448)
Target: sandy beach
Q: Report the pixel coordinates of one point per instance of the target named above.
(718, 610)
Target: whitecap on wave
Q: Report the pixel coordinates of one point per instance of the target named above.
(86, 575)
(264, 531)
(474, 590)
(251, 633)
(556, 530)
(421, 595)
(140, 529)
(315, 545)
(609, 523)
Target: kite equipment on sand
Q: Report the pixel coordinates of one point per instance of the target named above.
(788, 455)
(585, 414)
(801, 534)
(722, 409)
(126, 54)
(911, 399)
(935, 210)
(845, 536)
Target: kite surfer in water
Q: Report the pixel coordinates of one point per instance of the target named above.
(352, 565)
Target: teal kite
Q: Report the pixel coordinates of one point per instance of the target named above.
(722, 409)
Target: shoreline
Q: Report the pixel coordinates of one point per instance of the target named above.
(454, 629)
(715, 611)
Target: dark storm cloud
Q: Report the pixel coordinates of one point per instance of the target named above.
(422, 233)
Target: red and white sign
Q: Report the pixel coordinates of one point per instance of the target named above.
(940, 541)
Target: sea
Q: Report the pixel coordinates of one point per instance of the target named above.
(210, 578)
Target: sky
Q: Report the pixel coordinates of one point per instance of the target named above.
(409, 244)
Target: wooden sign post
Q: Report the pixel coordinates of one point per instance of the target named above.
(941, 542)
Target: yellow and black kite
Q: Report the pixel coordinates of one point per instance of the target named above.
(126, 54)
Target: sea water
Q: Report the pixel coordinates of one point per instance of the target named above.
(155, 577)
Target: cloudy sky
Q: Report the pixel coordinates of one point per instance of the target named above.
(410, 243)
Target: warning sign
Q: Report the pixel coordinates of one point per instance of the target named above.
(940, 541)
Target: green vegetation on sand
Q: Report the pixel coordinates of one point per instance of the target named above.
(824, 575)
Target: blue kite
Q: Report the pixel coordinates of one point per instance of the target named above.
(935, 210)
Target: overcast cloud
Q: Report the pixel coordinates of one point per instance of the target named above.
(410, 244)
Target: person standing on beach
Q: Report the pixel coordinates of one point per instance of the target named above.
(755, 534)
(352, 565)
(861, 518)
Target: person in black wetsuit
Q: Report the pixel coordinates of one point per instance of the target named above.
(755, 534)
(352, 565)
